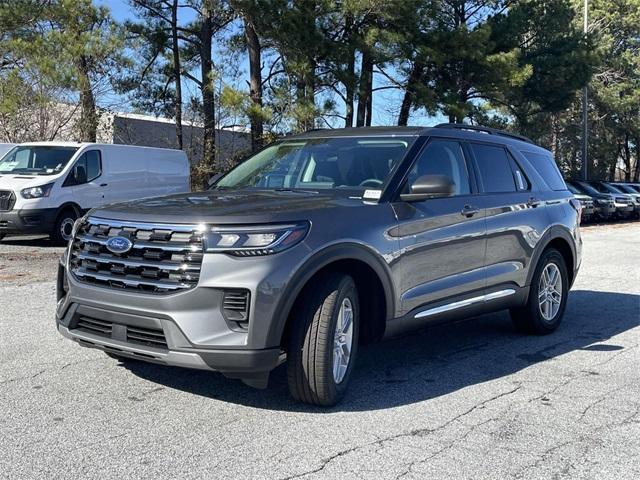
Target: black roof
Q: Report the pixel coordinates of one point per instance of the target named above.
(457, 130)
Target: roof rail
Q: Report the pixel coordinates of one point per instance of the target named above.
(492, 131)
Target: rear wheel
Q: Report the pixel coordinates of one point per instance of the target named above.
(324, 340)
(547, 296)
(63, 227)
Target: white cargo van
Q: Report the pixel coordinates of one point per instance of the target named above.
(45, 186)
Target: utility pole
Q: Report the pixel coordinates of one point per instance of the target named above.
(585, 108)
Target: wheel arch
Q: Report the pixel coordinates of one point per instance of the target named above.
(358, 261)
(561, 239)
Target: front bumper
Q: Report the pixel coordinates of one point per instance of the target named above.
(27, 221)
(192, 322)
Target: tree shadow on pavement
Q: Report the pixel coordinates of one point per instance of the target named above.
(432, 362)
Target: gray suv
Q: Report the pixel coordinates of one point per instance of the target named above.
(322, 242)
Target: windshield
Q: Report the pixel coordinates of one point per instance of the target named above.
(610, 188)
(573, 189)
(627, 189)
(587, 189)
(356, 163)
(36, 160)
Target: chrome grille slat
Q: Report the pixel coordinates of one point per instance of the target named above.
(163, 259)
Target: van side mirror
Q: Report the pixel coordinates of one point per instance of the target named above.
(80, 174)
(429, 186)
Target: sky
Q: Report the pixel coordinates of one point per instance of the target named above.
(386, 103)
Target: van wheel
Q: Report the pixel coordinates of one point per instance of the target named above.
(547, 296)
(63, 227)
(323, 342)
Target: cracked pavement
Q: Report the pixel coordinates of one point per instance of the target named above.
(472, 399)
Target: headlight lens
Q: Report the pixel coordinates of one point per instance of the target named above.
(254, 240)
(37, 192)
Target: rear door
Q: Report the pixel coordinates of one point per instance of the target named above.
(515, 214)
(442, 240)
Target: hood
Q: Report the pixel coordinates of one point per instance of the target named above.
(580, 196)
(229, 206)
(18, 182)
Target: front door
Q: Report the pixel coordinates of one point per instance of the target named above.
(442, 240)
(87, 181)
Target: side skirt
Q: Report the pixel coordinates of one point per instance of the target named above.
(455, 308)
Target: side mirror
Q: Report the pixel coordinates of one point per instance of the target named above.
(80, 175)
(429, 186)
(214, 179)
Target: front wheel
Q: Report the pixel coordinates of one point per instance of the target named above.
(547, 296)
(63, 227)
(324, 340)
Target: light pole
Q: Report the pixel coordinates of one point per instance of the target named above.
(585, 108)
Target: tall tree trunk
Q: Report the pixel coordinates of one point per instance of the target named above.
(350, 87)
(410, 93)
(627, 159)
(636, 172)
(366, 72)
(88, 116)
(208, 107)
(177, 75)
(255, 82)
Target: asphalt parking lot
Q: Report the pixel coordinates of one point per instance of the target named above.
(467, 400)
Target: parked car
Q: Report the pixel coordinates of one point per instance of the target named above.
(604, 203)
(625, 204)
(629, 190)
(587, 202)
(5, 147)
(323, 241)
(45, 187)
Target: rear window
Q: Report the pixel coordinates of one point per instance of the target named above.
(494, 167)
(547, 168)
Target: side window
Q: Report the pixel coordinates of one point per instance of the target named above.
(522, 182)
(547, 169)
(442, 157)
(94, 164)
(494, 167)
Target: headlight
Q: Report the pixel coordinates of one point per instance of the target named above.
(37, 192)
(246, 241)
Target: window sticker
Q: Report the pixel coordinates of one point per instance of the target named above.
(372, 194)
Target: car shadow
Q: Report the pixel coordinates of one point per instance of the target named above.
(432, 362)
(30, 241)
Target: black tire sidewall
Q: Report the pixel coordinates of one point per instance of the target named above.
(347, 290)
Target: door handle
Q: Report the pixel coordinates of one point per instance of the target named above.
(469, 211)
(104, 184)
(533, 202)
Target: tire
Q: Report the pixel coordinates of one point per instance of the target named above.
(310, 351)
(62, 230)
(536, 318)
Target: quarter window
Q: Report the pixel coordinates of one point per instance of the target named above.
(442, 157)
(494, 167)
(547, 168)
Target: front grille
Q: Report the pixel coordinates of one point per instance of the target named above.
(150, 337)
(146, 336)
(235, 304)
(622, 200)
(7, 200)
(102, 328)
(163, 258)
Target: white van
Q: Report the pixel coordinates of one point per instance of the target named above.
(45, 186)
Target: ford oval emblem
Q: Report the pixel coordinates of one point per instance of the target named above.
(119, 245)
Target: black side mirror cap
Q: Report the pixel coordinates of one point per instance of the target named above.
(429, 186)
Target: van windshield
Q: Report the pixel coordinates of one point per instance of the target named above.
(350, 163)
(36, 160)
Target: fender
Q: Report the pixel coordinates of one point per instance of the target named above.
(554, 232)
(342, 251)
(76, 208)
